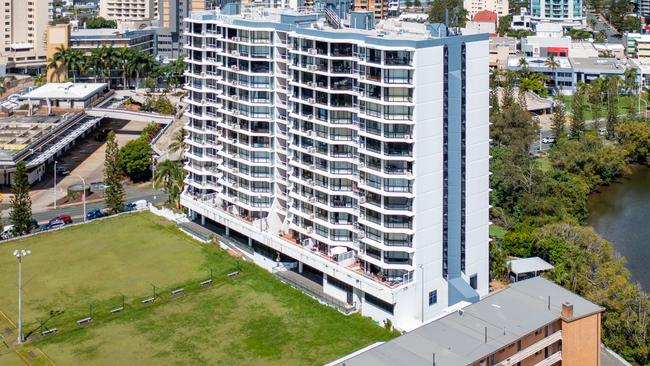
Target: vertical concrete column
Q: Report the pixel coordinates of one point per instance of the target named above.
(299, 267)
(227, 231)
(202, 219)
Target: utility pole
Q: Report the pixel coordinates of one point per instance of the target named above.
(20, 254)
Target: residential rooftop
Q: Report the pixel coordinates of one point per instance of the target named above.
(527, 265)
(108, 34)
(598, 63)
(460, 338)
(389, 29)
(73, 91)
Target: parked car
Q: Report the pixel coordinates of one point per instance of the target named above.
(548, 140)
(94, 214)
(65, 218)
(129, 206)
(602, 131)
(63, 170)
(53, 224)
(7, 232)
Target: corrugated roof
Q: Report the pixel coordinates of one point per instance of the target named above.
(526, 265)
(460, 338)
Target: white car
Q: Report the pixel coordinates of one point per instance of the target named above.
(548, 140)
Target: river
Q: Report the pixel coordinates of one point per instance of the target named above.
(621, 214)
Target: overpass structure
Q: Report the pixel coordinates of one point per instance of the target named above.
(130, 115)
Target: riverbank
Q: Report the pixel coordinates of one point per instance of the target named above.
(620, 213)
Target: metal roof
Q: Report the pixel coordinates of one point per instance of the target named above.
(527, 265)
(460, 338)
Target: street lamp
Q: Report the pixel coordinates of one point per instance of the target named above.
(83, 194)
(20, 254)
(55, 162)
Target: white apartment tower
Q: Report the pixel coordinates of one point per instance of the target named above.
(23, 33)
(128, 9)
(355, 158)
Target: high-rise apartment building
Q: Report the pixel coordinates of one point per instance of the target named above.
(23, 33)
(351, 157)
(558, 11)
(127, 9)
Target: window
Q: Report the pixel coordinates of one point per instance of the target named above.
(473, 281)
(433, 297)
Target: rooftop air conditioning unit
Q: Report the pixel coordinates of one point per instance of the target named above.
(236, 171)
(362, 200)
(361, 235)
(235, 97)
(234, 68)
(311, 100)
(235, 53)
(312, 67)
(313, 51)
(362, 77)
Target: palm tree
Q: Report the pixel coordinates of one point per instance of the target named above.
(601, 36)
(169, 175)
(141, 63)
(53, 64)
(126, 57)
(553, 64)
(62, 56)
(178, 141)
(39, 79)
(75, 63)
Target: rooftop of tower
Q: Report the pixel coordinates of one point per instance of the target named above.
(358, 25)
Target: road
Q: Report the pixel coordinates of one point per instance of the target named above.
(611, 34)
(76, 211)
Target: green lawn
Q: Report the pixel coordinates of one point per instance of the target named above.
(253, 319)
(623, 107)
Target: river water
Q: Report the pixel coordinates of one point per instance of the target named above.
(621, 214)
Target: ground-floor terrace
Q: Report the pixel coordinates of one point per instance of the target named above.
(346, 282)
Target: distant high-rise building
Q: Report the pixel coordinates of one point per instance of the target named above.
(127, 9)
(567, 12)
(357, 158)
(500, 7)
(24, 34)
(379, 8)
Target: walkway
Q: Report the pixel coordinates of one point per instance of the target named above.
(130, 115)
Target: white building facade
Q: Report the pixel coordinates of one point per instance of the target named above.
(350, 156)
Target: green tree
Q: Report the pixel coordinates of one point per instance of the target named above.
(39, 79)
(3, 88)
(21, 204)
(136, 158)
(454, 8)
(178, 143)
(612, 85)
(601, 36)
(409, 4)
(592, 23)
(169, 175)
(114, 192)
(595, 98)
(417, 3)
(553, 64)
(99, 22)
(578, 107)
(631, 85)
(559, 118)
(504, 25)
(634, 138)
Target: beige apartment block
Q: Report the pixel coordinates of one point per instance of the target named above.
(127, 9)
(378, 7)
(500, 7)
(57, 36)
(23, 34)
